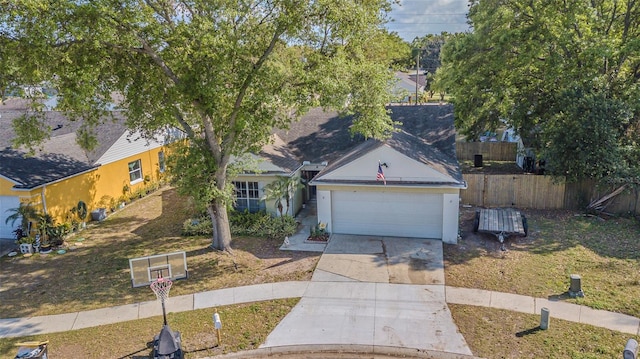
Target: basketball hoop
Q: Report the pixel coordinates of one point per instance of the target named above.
(161, 288)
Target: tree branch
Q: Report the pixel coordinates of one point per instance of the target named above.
(162, 13)
(229, 138)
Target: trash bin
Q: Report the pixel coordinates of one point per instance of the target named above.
(477, 160)
(39, 352)
(529, 165)
(99, 214)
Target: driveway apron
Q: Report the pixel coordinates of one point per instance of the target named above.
(379, 291)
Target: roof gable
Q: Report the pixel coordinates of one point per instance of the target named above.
(426, 135)
(396, 166)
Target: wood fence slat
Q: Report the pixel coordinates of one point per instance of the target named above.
(490, 151)
(540, 192)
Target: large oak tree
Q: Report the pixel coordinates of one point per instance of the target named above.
(564, 74)
(224, 72)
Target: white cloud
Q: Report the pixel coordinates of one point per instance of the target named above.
(416, 18)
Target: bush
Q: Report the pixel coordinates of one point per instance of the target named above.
(245, 224)
(200, 226)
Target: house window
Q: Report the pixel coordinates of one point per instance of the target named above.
(135, 171)
(161, 162)
(248, 197)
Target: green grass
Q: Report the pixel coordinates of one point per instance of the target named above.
(245, 327)
(605, 253)
(493, 333)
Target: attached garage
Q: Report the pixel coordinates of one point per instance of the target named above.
(6, 203)
(387, 213)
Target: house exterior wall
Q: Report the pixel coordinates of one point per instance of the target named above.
(113, 182)
(61, 196)
(450, 217)
(398, 168)
(265, 179)
(99, 188)
(6, 187)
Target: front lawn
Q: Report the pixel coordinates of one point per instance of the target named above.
(605, 253)
(244, 327)
(494, 333)
(96, 274)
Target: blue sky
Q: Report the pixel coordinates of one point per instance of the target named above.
(417, 18)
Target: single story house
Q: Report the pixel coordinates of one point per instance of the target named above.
(60, 173)
(417, 195)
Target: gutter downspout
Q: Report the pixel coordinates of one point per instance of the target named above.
(44, 198)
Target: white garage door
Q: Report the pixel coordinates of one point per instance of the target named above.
(416, 215)
(7, 202)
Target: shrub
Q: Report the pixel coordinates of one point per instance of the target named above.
(245, 224)
(200, 226)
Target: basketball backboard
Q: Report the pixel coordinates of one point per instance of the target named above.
(145, 270)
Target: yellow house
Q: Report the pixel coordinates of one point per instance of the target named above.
(60, 173)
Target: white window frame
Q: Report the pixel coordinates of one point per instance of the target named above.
(133, 171)
(244, 195)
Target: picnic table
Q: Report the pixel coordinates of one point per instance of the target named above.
(501, 222)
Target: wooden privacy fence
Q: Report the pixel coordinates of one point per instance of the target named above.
(541, 192)
(522, 191)
(490, 151)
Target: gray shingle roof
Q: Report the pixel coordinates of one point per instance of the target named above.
(58, 157)
(427, 134)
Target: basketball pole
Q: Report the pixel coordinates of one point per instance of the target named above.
(164, 312)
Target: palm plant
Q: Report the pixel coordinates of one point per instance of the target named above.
(26, 212)
(283, 188)
(276, 191)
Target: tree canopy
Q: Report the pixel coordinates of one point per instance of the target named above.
(565, 75)
(223, 72)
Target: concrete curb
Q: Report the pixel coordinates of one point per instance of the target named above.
(328, 351)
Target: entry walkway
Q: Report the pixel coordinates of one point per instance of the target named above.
(19, 327)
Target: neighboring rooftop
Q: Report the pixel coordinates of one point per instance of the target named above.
(58, 157)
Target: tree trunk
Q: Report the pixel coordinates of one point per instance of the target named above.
(220, 221)
(215, 243)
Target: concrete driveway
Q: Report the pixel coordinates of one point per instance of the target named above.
(381, 260)
(378, 291)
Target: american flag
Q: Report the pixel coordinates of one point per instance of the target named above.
(380, 175)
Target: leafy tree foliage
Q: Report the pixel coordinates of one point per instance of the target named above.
(224, 72)
(388, 47)
(428, 48)
(564, 74)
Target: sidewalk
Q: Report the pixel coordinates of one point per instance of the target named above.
(18, 327)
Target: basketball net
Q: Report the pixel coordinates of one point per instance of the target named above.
(161, 288)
